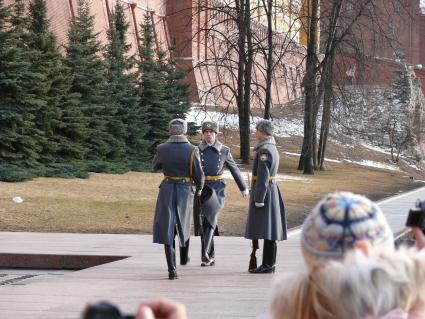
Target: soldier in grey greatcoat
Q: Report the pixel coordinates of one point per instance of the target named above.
(266, 216)
(183, 177)
(214, 158)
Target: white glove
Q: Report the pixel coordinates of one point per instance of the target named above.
(199, 193)
(245, 192)
(259, 204)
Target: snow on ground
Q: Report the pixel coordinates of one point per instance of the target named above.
(279, 177)
(332, 160)
(411, 165)
(293, 154)
(363, 143)
(284, 127)
(375, 148)
(374, 164)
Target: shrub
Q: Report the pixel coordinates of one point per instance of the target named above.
(12, 173)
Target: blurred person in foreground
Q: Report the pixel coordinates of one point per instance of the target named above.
(160, 308)
(340, 222)
(183, 177)
(345, 223)
(419, 236)
(374, 285)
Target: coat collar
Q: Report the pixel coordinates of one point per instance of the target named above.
(177, 139)
(267, 140)
(217, 145)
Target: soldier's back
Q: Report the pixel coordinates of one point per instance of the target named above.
(175, 158)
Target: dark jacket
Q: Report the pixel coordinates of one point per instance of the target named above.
(214, 158)
(175, 199)
(268, 222)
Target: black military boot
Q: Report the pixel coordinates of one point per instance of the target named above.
(184, 254)
(269, 258)
(211, 252)
(170, 255)
(208, 258)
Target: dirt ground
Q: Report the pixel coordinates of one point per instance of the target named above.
(125, 203)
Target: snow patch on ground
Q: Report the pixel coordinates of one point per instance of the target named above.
(283, 127)
(292, 154)
(279, 177)
(375, 148)
(332, 160)
(374, 164)
(414, 167)
(411, 165)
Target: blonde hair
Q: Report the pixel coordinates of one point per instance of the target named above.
(357, 287)
(296, 297)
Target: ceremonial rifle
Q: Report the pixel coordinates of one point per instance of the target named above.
(201, 217)
(253, 257)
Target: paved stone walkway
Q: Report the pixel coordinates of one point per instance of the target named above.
(223, 291)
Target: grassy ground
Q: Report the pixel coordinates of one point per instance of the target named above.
(125, 203)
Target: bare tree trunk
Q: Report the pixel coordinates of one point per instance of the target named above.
(309, 83)
(316, 108)
(269, 66)
(326, 116)
(241, 7)
(327, 79)
(247, 89)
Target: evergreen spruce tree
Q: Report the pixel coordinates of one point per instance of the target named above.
(59, 118)
(153, 85)
(176, 91)
(89, 81)
(127, 123)
(20, 91)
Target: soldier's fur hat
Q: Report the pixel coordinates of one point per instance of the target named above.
(177, 127)
(265, 126)
(210, 125)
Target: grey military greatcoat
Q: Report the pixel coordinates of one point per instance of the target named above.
(176, 192)
(268, 222)
(214, 158)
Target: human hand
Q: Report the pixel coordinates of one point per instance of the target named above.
(419, 236)
(161, 308)
(199, 193)
(259, 204)
(245, 192)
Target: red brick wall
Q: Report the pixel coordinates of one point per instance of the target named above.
(409, 27)
(175, 21)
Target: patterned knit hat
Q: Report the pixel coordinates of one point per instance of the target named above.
(340, 220)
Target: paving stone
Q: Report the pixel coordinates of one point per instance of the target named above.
(226, 290)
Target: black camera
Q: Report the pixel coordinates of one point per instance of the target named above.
(104, 310)
(416, 217)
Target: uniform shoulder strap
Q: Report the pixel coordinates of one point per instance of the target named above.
(192, 155)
